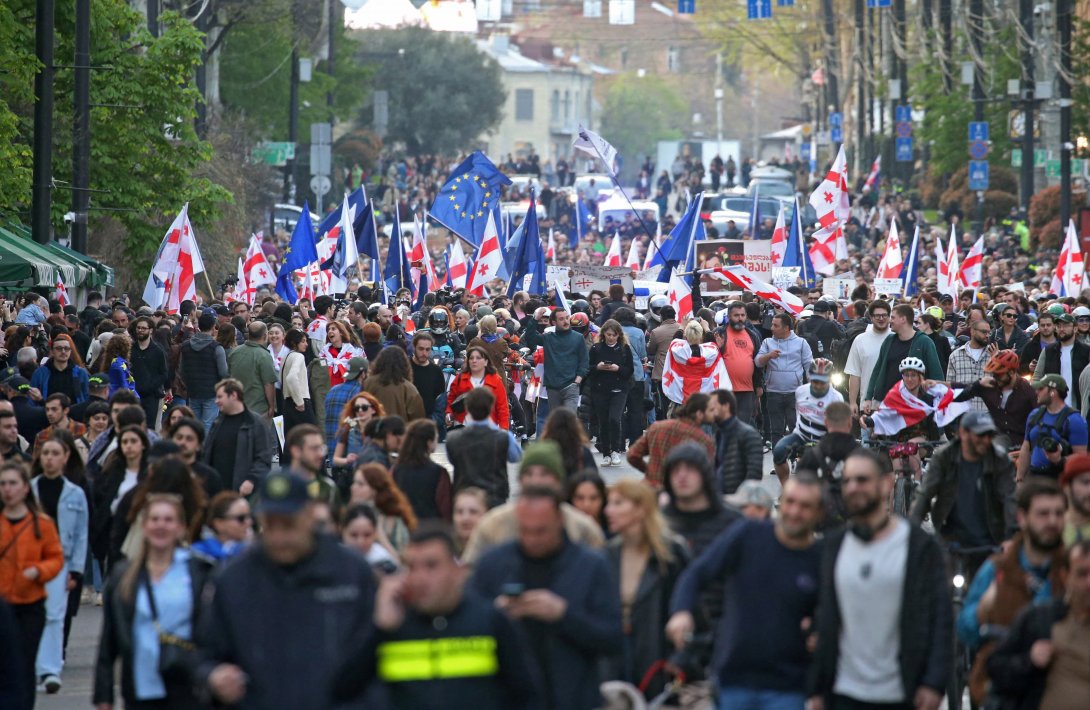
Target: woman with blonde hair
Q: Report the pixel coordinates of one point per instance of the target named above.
(115, 363)
(493, 344)
(647, 559)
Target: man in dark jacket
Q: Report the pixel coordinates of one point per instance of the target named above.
(562, 593)
(827, 459)
(1051, 361)
(739, 450)
(436, 645)
(249, 659)
(616, 301)
(480, 451)
(148, 364)
(566, 363)
(1042, 661)
(884, 620)
(695, 511)
(240, 444)
(202, 363)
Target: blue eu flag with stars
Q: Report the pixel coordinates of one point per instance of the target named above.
(470, 193)
(300, 254)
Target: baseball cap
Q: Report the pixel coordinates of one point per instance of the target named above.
(144, 311)
(7, 373)
(750, 493)
(1064, 318)
(98, 380)
(282, 493)
(979, 423)
(823, 307)
(356, 366)
(1054, 381)
(220, 309)
(946, 298)
(18, 383)
(936, 311)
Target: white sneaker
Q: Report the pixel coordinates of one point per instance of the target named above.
(615, 459)
(52, 684)
(606, 460)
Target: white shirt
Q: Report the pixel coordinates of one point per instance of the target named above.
(127, 484)
(870, 584)
(975, 353)
(1065, 370)
(863, 357)
(810, 411)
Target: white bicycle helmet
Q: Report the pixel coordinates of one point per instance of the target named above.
(913, 363)
(1081, 312)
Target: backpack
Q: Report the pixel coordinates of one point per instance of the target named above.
(843, 347)
(1057, 428)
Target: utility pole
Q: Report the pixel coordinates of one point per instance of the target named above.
(201, 123)
(1063, 18)
(832, 63)
(976, 24)
(153, 17)
(41, 197)
(81, 127)
(293, 123)
(335, 22)
(945, 29)
(1025, 8)
(861, 89)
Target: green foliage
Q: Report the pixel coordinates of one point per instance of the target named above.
(444, 92)
(640, 112)
(17, 68)
(998, 199)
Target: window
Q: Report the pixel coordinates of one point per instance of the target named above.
(622, 12)
(673, 59)
(524, 104)
(592, 8)
(554, 106)
(567, 105)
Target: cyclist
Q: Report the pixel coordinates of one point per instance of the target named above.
(810, 403)
(1008, 397)
(900, 410)
(827, 460)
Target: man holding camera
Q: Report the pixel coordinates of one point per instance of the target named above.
(1053, 431)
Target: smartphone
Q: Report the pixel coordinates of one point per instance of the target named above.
(512, 589)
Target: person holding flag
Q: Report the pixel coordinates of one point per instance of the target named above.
(300, 254)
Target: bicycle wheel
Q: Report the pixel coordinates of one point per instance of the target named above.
(901, 493)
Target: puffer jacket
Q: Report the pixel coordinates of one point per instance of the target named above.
(739, 454)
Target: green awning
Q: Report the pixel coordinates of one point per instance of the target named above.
(101, 275)
(57, 265)
(25, 267)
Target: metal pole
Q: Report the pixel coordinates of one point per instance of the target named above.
(153, 17)
(201, 122)
(1063, 17)
(43, 124)
(293, 123)
(861, 88)
(976, 19)
(335, 21)
(81, 126)
(1025, 8)
(945, 22)
(832, 65)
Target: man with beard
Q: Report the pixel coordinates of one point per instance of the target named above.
(883, 634)
(740, 346)
(148, 364)
(1027, 572)
(1008, 397)
(968, 363)
(1044, 336)
(863, 355)
(1075, 482)
(1054, 430)
(770, 571)
(1066, 358)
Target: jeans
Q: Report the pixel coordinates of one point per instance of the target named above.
(565, 397)
(153, 409)
(737, 698)
(50, 649)
(608, 410)
(439, 416)
(30, 619)
(783, 448)
(542, 414)
(747, 406)
(635, 418)
(843, 702)
(781, 414)
(206, 410)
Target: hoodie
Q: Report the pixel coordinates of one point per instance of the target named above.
(202, 363)
(700, 527)
(785, 373)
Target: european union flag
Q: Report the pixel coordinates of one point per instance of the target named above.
(470, 193)
(397, 274)
(357, 205)
(367, 241)
(675, 248)
(301, 253)
(797, 254)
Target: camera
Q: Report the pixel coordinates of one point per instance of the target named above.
(1050, 445)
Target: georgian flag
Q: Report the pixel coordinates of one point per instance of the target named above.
(973, 267)
(61, 293)
(901, 409)
(174, 274)
(828, 248)
(550, 251)
(613, 256)
(338, 362)
(953, 271)
(890, 265)
(680, 295)
(684, 374)
(633, 260)
(489, 259)
(1069, 276)
(872, 178)
(830, 197)
(456, 265)
(420, 264)
(740, 276)
(779, 241)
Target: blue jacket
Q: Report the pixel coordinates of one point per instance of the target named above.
(40, 379)
(120, 376)
(73, 523)
(638, 342)
(589, 630)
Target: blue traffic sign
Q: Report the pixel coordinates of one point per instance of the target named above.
(879, 3)
(903, 113)
(804, 152)
(978, 150)
(836, 134)
(686, 7)
(978, 131)
(759, 9)
(904, 129)
(978, 175)
(836, 120)
(904, 150)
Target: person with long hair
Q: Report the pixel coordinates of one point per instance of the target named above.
(586, 491)
(168, 474)
(360, 531)
(477, 371)
(16, 337)
(350, 438)
(63, 372)
(60, 489)
(115, 363)
(154, 597)
(229, 529)
(390, 379)
(610, 379)
(372, 483)
(563, 426)
(647, 560)
(470, 505)
(32, 557)
(124, 469)
(341, 346)
(496, 347)
(227, 336)
(174, 415)
(426, 484)
(294, 387)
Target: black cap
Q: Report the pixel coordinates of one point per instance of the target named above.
(946, 298)
(221, 309)
(823, 307)
(18, 383)
(7, 373)
(282, 493)
(98, 380)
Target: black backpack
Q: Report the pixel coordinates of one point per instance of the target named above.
(843, 347)
(1056, 428)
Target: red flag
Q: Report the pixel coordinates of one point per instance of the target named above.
(740, 276)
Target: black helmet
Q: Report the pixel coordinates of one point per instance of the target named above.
(438, 321)
(657, 302)
(580, 305)
(641, 321)
(717, 306)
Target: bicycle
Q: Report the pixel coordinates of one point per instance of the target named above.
(964, 563)
(904, 488)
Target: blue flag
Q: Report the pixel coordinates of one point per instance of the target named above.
(909, 273)
(367, 243)
(675, 248)
(581, 218)
(797, 254)
(396, 274)
(357, 203)
(755, 215)
(529, 256)
(470, 193)
(300, 254)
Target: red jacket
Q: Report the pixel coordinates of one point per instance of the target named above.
(462, 384)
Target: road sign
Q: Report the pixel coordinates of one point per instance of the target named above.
(978, 131)
(978, 150)
(804, 152)
(276, 154)
(978, 175)
(320, 185)
(686, 7)
(836, 134)
(902, 113)
(836, 120)
(904, 150)
(879, 3)
(904, 129)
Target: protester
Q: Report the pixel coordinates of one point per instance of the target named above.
(239, 444)
(470, 505)
(563, 427)
(785, 358)
(373, 484)
(586, 492)
(477, 372)
(389, 379)
(662, 438)
(426, 484)
(480, 451)
(229, 527)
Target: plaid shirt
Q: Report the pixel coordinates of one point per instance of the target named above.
(963, 369)
(334, 403)
(659, 440)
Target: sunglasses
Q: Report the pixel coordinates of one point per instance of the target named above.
(363, 407)
(241, 518)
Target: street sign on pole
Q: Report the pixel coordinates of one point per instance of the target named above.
(836, 134)
(978, 175)
(904, 150)
(276, 154)
(320, 185)
(978, 131)
(836, 120)
(804, 152)
(978, 150)
(902, 113)
(904, 129)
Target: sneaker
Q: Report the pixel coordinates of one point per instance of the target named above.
(606, 461)
(615, 459)
(98, 598)
(52, 684)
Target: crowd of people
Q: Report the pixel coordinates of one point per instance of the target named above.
(252, 494)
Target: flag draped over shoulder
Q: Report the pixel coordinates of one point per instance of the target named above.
(901, 409)
(470, 195)
(684, 373)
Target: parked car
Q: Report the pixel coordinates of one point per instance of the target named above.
(285, 216)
